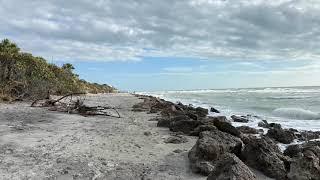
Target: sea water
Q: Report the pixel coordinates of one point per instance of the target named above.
(292, 107)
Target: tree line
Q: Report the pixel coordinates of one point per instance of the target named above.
(23, 75)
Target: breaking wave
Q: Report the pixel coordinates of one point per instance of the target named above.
(296, 113)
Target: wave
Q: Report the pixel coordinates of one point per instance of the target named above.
(242, 90)
(296, 113)
(288, 97)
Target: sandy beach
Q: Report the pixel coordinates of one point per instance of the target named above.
(39, 144)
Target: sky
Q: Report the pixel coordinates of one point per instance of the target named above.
(149, 45)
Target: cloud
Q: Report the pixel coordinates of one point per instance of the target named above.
(108, 30)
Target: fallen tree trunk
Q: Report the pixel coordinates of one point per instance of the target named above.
(75, 107)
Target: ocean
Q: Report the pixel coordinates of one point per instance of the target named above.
(292, 107)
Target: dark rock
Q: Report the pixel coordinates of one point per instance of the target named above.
(231, 167)
(222, 124)
(178, 151)
(210, 146)
(306, 164)
(308, 135)
(176, 140)
(214, 110)
(202, 128)
(152, 111)
(157, 105)
(226, 127)
(185, 126)
(275, 125)
(202, 112)
(293, 130)
(151, 104)
(248, 130)
(192, 115)
(147, 133)
(263, 124)
(171, 111)
(181, 118)
(243, 119)
(281, 135)
(211, 119)
(203, 167)
(163, 123)
(292, 150)
(263, 154)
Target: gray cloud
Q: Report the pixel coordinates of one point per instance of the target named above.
(127, 30)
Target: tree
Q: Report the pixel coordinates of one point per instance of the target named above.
(68, 66)
(9, 53)
(22, 74)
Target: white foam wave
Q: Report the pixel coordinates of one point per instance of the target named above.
(243, 90)
(296, 113)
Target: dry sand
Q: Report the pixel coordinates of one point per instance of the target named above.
(39, 144)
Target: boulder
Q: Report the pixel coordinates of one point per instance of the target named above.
(306, 163)
(281, 135)
(205, 167)
(157, 105)
(202, 112)
(171, 111)
(192, 115)
(147, 133)
(264, 155)
(152, 104)
(182, 117)
(263, 124)
(243, 119)
(275, 125)
(202, 128)
(212, 119)
(292, 150)
(166, 121)
(226, 127)
(308, 135)
(231, 167)
(248, 130)
(214, 110)
(163, 122)
(210, 146)
(185, 126)
(222, 124)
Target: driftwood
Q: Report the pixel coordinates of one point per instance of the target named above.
(77, 106)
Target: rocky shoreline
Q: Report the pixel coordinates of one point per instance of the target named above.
(223, 151)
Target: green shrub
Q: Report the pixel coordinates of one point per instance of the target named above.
(22, 74)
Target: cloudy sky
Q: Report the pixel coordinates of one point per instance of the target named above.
(173, 44)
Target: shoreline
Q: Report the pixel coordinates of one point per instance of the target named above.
(153, 139)
(278, 141)
(254, 117)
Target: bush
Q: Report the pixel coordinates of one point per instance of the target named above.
(24, 75)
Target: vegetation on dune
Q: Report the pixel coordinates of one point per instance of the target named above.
(23, 75)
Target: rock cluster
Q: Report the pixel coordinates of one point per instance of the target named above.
(226, 152)
(243, 119)
(230, 166)
(210, 146)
